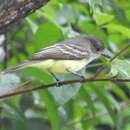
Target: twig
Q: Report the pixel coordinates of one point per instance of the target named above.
(99, 70)
(41, 87)
(120, 52)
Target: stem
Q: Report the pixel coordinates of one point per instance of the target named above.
(120, 52)
(41, 87)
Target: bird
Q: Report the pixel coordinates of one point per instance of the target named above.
(67, 56)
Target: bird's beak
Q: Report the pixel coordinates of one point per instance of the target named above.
(107, 53)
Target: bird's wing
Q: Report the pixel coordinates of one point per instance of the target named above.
(61, 52)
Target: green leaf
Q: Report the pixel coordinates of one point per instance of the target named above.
(118, 28)
(8, 83)
(87, 97)
(15, 115)
(127, 12)
(32, 24)
(36, 74)
(119, 92)
(51, 18)
(102, 18)
(64, 93)
(47, 34)
(105, 101)
(92, 29)
(120, 14)
(37, 124)
(51, 108)
(120, 67)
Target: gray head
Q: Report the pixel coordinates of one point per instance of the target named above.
(97, 46)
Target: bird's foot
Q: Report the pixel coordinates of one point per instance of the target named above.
(58, 83)
(57, 80)
(82, 78)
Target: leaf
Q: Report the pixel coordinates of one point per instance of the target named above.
(15, 115)
(51, 18)
(124, 114)
(119, 92)
(102, 18)
(86, 96)
(51, 108)
(8, 83)
(36, 74)
(127, 13)
(47, 34)
(32, 24)
(118, 28)
(37, 124)
(105, 101)
(92, 29)
(64, 93)
(120, 13)
(120, 67)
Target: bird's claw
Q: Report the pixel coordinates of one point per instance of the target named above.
(57, 83)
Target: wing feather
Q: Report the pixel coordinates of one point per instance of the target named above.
(65, 50)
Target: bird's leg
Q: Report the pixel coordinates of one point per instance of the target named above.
(57, 80)
(77, 74)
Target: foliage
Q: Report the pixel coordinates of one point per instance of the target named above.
(91, 106)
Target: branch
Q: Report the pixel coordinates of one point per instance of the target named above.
(13, 10)
(120, 52)
(42, 87)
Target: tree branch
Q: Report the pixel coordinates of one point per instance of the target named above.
(13, 10)
(42, 87)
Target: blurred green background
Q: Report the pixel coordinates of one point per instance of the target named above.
(91, 106)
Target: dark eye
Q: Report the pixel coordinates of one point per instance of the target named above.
(98, 49)
(97, 44)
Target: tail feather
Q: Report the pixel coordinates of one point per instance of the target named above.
(15, 68)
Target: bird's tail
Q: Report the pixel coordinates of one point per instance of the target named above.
(15, 68)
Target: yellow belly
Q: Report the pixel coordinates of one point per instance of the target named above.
(61, 66)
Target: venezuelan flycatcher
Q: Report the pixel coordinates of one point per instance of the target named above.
(66, 56)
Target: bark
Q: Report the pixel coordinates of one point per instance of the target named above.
(13, 10)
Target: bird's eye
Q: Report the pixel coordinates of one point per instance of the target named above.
(97, 44)
(98, 48)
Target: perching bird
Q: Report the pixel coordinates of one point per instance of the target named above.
(68, 56)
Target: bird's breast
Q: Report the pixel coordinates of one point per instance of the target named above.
(61, 66)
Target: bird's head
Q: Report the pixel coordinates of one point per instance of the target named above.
(97, 47)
